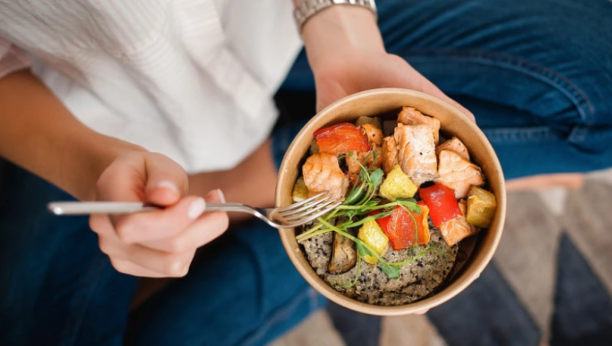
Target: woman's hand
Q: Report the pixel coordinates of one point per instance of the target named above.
(159, 243)
(347, 55)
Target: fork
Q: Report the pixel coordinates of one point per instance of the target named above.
(294, 215)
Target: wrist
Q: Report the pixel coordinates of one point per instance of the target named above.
(339, 31)
(91, 154)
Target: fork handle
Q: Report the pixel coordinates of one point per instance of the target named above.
(86, 208)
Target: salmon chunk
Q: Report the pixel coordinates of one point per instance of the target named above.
(366, 159)
(458, 173)
(410, 116)
(456, 145)
(389, 154)
(322, 173)
(416, 152)
(458, 228)
(375, 135)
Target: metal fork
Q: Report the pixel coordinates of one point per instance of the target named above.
(295, 215)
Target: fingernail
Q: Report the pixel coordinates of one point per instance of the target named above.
(168, 185)
(221, 195)
(196, 208)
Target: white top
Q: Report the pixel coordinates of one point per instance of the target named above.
(192, 79)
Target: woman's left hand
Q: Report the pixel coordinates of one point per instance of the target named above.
(347, 55)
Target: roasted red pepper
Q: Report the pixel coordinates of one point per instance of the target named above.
(399, 227)
(442, 204)
(342, 138)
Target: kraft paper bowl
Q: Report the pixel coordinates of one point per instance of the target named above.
(474, 253)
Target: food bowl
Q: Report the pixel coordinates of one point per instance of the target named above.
(474, 253)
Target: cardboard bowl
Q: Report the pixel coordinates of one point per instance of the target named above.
(474, 253)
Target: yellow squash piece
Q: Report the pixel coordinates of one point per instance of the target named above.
(371, 234)
(481, 205)
(397, 185)
(300, 191)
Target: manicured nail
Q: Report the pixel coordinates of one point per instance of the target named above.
(168, 185)
(196, 208)
(221, 195)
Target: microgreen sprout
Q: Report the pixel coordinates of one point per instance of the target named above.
(361, 201)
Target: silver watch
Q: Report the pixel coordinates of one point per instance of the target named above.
(305, 9)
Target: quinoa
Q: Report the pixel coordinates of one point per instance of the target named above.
(417, 280)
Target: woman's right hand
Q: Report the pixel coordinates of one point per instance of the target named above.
(160, 243)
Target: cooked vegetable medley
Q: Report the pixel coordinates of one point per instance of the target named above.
(408, 202)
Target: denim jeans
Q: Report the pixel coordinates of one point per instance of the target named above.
(537, 75)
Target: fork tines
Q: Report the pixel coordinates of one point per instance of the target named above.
(308, 209)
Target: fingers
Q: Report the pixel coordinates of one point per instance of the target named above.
(135, 259)
(166, 180)
(159, 224)
(207, 228)
(153, 261)
(129, 268)
(160, 243)
(423, 84)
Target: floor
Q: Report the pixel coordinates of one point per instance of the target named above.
(544, 230)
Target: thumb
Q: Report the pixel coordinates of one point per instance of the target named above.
(434, 91)
(167, 181)
(423, 84)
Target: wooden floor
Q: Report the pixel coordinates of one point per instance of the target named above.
(526, 257)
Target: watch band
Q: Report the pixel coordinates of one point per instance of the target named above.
(305, 9)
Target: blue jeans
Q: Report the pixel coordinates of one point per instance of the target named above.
(537, 75)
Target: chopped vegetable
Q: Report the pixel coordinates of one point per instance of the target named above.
(314, 147)
(371, 234)
(458, 228)
(442, 204)
(481, 207)
(424, 234)
(344, 255)
(397, 185)
(342, 138)
(300, 191)
(369, 120)
(399, 227)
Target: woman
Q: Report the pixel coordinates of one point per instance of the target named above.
(168, 101)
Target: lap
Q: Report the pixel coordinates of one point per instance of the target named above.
(242, 290)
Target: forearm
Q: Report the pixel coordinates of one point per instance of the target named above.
(39, 134)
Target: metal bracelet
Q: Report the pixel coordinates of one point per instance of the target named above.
(305, 9)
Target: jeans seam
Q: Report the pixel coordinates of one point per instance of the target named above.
(522, 135)
(277, 316)
(92, 277)
(576, 95)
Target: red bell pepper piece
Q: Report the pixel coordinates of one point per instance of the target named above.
(342, 138)
(400, 227)
(442, 204)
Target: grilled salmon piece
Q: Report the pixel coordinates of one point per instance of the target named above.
(416, 152)
(458, 173)
(456, 145)
(366, 159)
(322, 173)
(457, 229)
(389, 154)
(375, 135)
(410, 116)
